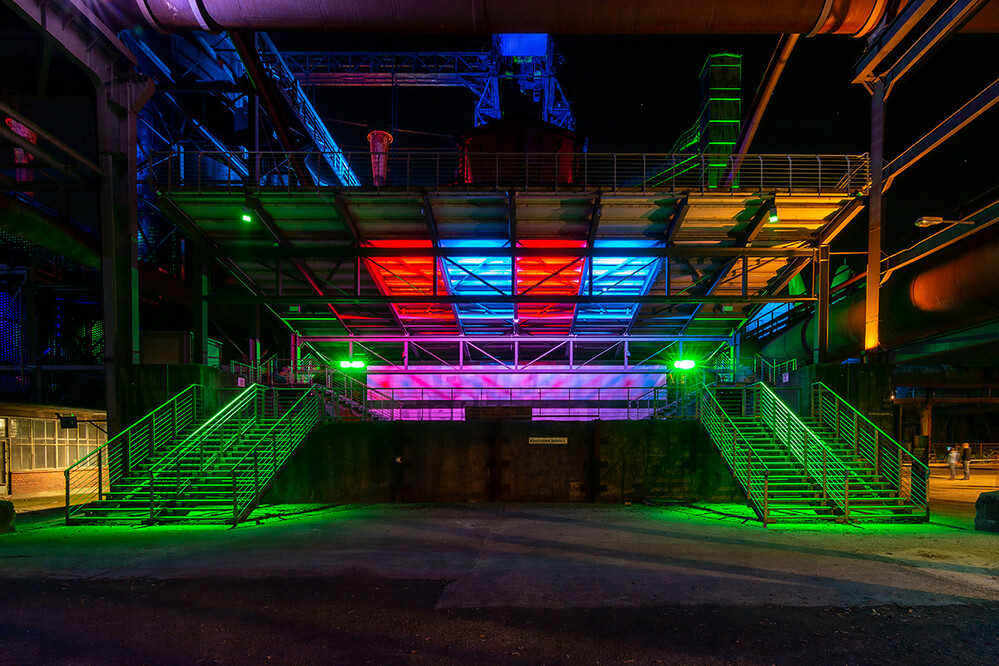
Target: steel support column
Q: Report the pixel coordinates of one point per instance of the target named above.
(199, 318)
(116, 126)
(820, 345)
(875, 215)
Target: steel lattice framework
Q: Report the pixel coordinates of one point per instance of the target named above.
(479, 72)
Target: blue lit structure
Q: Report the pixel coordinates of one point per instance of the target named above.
(480, 276)
(616, 276)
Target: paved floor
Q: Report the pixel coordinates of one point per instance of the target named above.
(488, 583)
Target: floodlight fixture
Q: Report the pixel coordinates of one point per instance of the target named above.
(773, 213)
(684, 364)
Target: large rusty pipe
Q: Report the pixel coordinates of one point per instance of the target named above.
(917, 302)
(849, 17)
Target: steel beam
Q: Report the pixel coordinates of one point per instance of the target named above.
(959, 13)
(676, 220)
(510, 339)
(842, 218)
(884, 41)
(957, 121)
(781, 54)
(336, 299)
(745, 241)
(675, 252)
(269, 93)
(820, 346)
(875, 215)
(263, 217)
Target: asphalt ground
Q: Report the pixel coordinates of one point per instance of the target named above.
(492, 583)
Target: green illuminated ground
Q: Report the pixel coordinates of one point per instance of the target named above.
(721, 548)
(491, 583)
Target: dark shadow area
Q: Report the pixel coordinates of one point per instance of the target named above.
(361, 619)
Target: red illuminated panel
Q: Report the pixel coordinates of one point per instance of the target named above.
(555, 276)
(412, 276)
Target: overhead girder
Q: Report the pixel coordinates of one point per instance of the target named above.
(919, 302)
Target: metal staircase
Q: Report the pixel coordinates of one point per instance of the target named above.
(215, 470)
(794, 469)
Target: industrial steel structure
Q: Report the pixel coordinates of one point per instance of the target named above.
(183, 178)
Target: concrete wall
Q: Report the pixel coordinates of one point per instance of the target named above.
(149, 386)
(481, 461)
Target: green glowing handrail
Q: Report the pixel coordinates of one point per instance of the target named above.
(225, 446)
(713, 416)
(83, 476)
(861, 415)
(218, 420)
(870, 447)
(136, 426)
(297, 421)
(820, 463)
(278, 424)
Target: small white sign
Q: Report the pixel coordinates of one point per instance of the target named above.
(240, 382)
(547, 441)
(785, 378)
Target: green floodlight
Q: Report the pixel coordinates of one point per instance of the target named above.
(344, 364)
(247, 217)
(773, 213)
(684, 364)
(352, 365)
(357, 364)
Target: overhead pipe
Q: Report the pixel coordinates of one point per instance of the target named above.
(808, 17)
(917, 302)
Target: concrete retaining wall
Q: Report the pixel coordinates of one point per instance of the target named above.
(506, 461)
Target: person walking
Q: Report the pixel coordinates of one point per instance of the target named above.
(952, 456)
(966, 459)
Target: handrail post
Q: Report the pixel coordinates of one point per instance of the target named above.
(846, 497)
(235, 499)
(100, 477)
(256, 473)
(766, 497)
(749, 477)
(152, 504)
(825, 494)
(66, 474)
(152, 433)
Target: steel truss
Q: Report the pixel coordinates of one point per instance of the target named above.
(479, 72)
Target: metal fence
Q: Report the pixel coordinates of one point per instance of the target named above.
(199, 171)
(91, 477)
(885, 456)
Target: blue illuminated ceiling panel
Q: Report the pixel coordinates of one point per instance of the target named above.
(618, 276)
(480, 276)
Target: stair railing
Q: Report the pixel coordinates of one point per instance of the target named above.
(661, 402)
(174, 471)
(823, 467)
(91, 477)
(743, 460)
(253, 473)
(889, 459)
